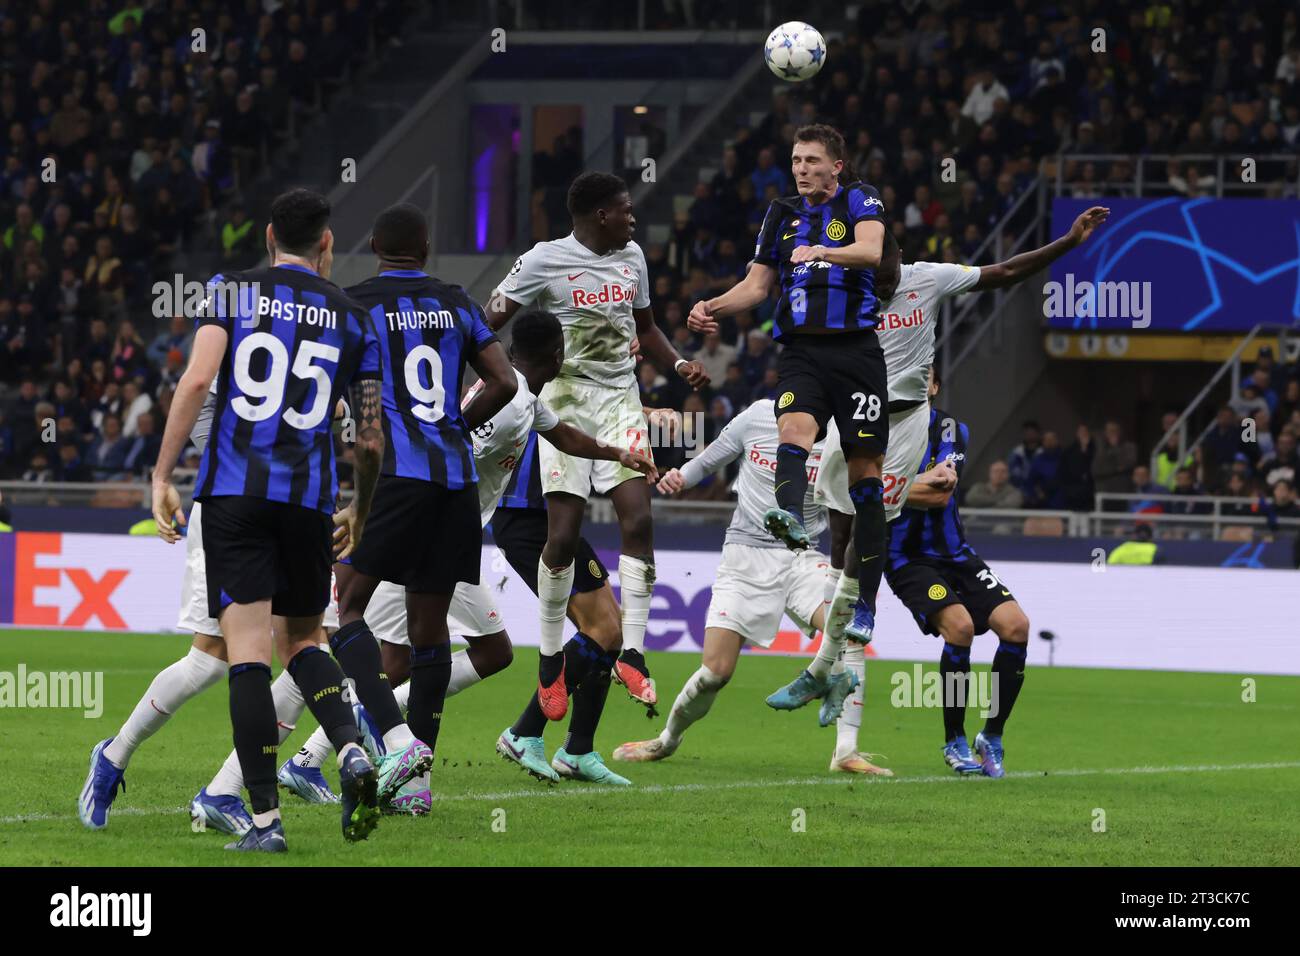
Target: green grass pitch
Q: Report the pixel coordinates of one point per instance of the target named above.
(1185, 772)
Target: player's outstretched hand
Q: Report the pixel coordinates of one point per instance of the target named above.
(694, 374)
(807, 254)
(1088, 220)
(347, 532)
(639, 462)
(701, 319)
(672, 482)
(166, 510)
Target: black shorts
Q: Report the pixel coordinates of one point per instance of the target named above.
(520, 533)
(840, 376)
(254, 550)
(421, 535)
(926, 587)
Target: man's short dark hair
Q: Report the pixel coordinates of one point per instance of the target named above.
(536, 334)
(592, 191)
(298, 220)
(401, 232)
(828, 136)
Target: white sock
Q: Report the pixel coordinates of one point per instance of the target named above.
(636, 581)
(850, 720)
(553, 590)
(289, 705)
(314, 751)
(463, 675)
(172, 687)
(265, 819)
(399, 738)
(691, 704)
(838, 615)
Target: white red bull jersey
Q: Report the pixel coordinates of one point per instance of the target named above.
(752, 437)
(907, 323)
(593, 296)
(499, 442)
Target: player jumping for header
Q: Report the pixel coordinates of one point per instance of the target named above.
(823, 245)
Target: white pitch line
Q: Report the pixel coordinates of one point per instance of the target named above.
(551, 792)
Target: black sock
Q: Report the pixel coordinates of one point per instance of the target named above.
(1009, 675)
(791, 478)
(580, 652)
(357, 652)
(954, 671)
(548, 667)
(321, 681)
(868, 497)
(588, 705)
(257, 736)
(430, 674)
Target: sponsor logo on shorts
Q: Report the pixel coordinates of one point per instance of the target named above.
(594, 568)
(835, 230)
(937, 592)
(785, 400)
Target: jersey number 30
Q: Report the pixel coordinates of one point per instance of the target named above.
(269, 391)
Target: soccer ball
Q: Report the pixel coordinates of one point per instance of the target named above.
(794, 51)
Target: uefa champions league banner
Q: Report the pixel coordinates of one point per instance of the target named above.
(1229, 620)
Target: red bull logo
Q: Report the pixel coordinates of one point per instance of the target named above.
(603, 296)
(892, 320)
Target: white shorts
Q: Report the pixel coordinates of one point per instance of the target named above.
(610, 415)
(473, 613)
(754, 587)
(909, 433)
(194, 586)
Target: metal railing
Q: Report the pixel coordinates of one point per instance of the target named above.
(1231, 366)
(1142, 183)
(955, 315)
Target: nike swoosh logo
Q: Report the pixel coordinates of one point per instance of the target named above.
(1006, 594)
(789, 234)
(871, 558)
(866, 434)
(576, 274)
(780, 486)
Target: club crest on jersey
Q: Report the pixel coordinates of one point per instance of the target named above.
(835, 230)
(785, 400)
(937, 592)
(594, 568)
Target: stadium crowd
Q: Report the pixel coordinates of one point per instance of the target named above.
(126, 139)
(158, 139)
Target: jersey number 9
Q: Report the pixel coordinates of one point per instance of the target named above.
(431, 400)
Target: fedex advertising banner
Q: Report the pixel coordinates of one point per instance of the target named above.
(1231, 620)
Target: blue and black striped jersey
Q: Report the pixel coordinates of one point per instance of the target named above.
(427, 331)
(296, 343)
(819, 295)
(524, 489)
(921, 534)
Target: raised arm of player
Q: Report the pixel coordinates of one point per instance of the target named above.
(579, 444)
(656, 347)
(745, 294)
(499, 384)
(1021, 267)
(205, 359)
